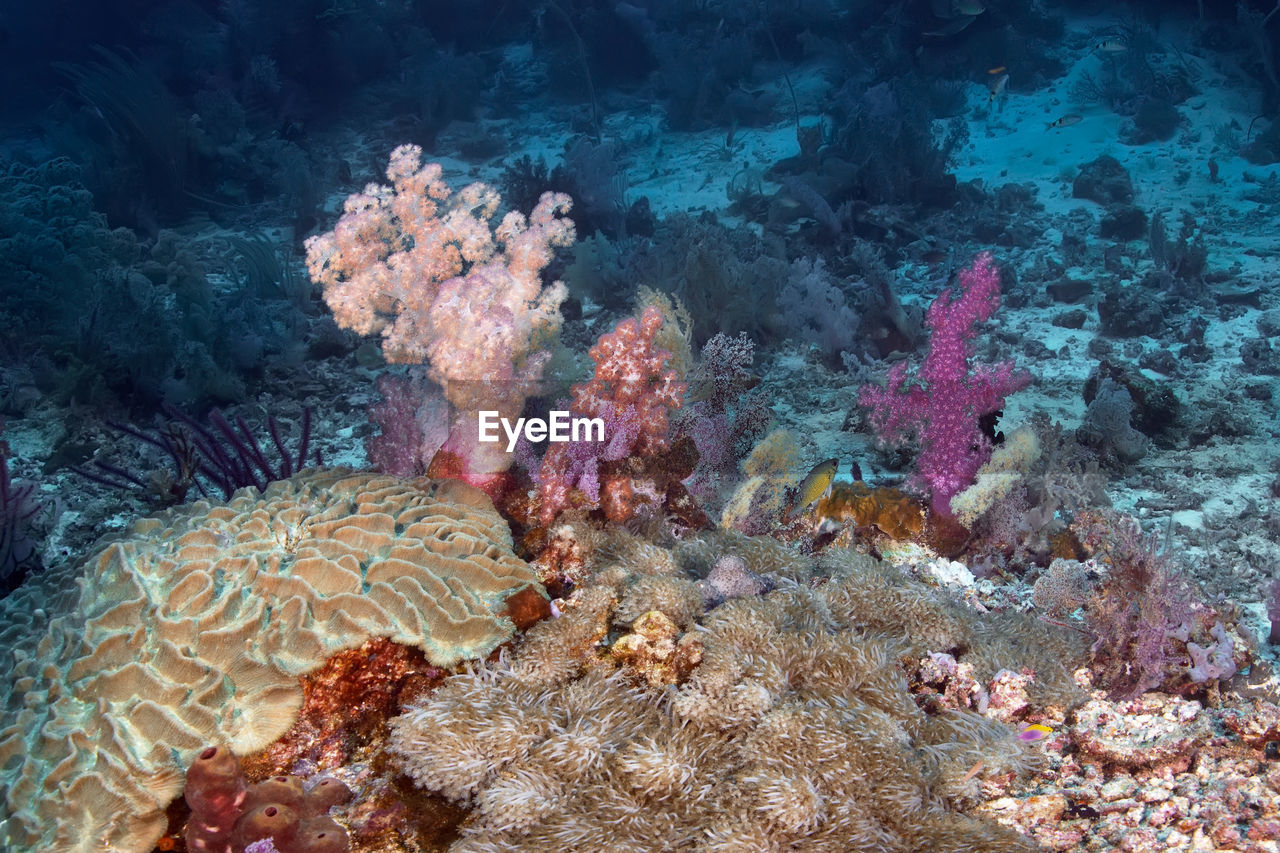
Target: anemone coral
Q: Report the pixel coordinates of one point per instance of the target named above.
(679, 599)
(796, 730)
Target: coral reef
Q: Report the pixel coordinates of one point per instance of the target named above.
(345, 706)
(194, 628)
(797, 726)
(1154, 774)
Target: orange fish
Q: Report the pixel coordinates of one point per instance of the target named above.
(816, 484)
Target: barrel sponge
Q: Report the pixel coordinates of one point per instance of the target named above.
(229, 815)
(193, 627)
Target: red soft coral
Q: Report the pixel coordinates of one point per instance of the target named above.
(632, 392)
(631, 375)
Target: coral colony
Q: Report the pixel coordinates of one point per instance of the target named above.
(641, 426)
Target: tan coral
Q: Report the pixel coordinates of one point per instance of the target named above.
(789, 735)
(194, 627)
(679, 599)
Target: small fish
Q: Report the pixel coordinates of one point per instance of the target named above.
(1082, 810)
(1066, 121)
(973, 771)
(997, 86)
(1033, 732)
(817, 484)
(969, 7)
(999, 69)
(1111, 46)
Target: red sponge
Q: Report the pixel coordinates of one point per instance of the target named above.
(216, 792)
(227, 814)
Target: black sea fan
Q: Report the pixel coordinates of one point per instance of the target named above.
(217, 458)
(20, 511)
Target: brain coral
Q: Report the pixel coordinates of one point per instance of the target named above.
(194, 627)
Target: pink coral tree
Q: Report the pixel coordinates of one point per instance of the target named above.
(943, 406)
(632, 391)
(424, 267)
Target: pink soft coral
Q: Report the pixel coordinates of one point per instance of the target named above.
(423, 266)
(632, 392)
(942, 408)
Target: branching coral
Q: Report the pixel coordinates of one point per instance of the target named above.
(942, 406)
(1144, 612)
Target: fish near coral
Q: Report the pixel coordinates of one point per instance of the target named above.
(815, 486)
(1033, 732)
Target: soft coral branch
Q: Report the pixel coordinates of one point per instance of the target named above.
(632, 391)
(942, 409)
(423, 266)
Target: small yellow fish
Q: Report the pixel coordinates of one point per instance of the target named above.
(999, 69)
(1111, 46)
(817, 484)
(1066, 121)
(1033, 732)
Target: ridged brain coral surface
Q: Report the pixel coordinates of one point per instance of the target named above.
(194, 628)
